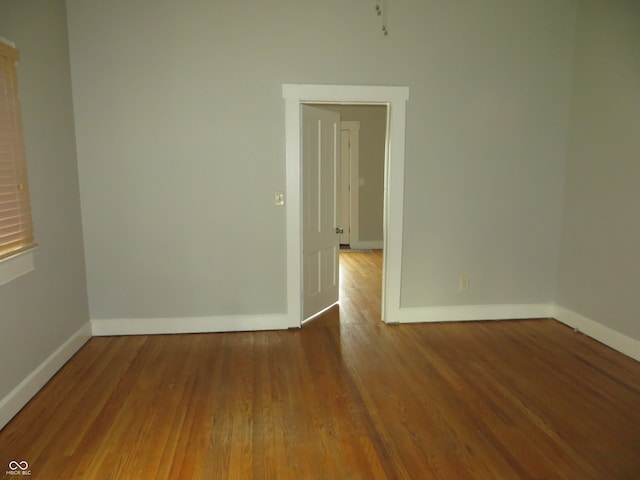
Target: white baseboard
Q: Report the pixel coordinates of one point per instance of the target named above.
(26, 390)
(367, 245)
(459, 313)
(158, 326)
(612, 338)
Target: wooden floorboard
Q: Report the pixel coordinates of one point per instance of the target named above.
(345, 397)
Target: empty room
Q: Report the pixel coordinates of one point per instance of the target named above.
(212, 266)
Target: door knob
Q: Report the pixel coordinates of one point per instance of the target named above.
(339, 230)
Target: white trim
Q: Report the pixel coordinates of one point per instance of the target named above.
(27, 389)
(457, 313)
(368, 244)
(160, 326)
(16, 266)
(612, 338)
(395, 98)
(7, 42)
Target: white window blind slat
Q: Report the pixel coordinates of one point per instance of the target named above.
(16, 228)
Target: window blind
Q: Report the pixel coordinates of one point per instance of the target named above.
(16, 228)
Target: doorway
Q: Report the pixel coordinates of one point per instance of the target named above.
(362, 169)
(352, 158)
(395, 99)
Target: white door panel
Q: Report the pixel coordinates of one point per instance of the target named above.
(320, 242)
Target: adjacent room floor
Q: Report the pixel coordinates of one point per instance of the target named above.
(345, 397)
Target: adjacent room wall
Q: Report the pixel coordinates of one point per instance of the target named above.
(180, 133)
(373, 131)
(599, 267)
(43, 309)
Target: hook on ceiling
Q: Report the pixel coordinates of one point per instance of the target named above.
(381, 11)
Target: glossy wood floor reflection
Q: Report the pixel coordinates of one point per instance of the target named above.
(345, 397)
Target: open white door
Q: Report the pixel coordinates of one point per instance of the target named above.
(320, 231)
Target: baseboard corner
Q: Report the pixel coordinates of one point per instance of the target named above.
(612, 338)
(15, 400)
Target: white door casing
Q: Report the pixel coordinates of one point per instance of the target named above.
(320, 239)
(395, 99)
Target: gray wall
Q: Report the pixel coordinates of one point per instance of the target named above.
(180, 135)
(372, 135)
(599, 268)
(42, 309)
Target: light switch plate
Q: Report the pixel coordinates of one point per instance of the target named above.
(279, 198)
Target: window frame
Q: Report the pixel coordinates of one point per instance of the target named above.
(17, 261)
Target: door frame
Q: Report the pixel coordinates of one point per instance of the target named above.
(395, 99)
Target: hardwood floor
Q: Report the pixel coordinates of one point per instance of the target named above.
(360, 291)
(345, 397)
